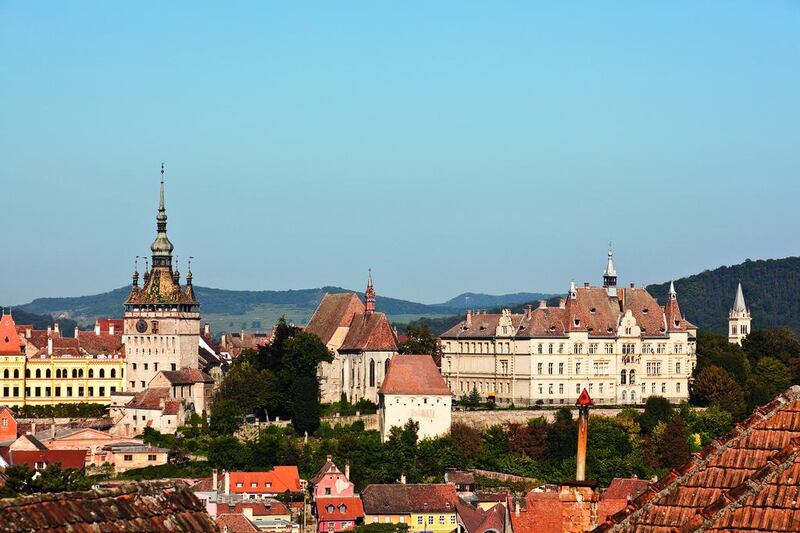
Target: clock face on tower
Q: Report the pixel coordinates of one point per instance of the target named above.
(141, 326)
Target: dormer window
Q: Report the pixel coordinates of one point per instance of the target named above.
(677, 323)
(577, 322)
(645, 311)
(342, 508)
(593, 310)
(329, 508)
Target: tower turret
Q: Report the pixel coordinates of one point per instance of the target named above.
(369, 295)
(738, 319)
(161, 247)
(610, 274)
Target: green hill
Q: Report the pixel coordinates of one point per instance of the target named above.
(771, 289)
(23, 317)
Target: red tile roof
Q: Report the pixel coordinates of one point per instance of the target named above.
(277, 481)
(187, 376)
(409, 498)
(160, 288)
(592, 310)
(105, 325)
(744, 481)
(151, 398)
(370, 332)
(30, 458)
(539, 512)
(102, 344)
(477, 520)
(339, 508)
(146, 506)
(10, 341)
(263, 508)
(334, 311)
(414, 374)
(235, 523)
(618, 494)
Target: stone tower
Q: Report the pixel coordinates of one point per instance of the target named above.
(738, 319)
(162, 319)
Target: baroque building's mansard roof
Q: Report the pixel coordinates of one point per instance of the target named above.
(597, 311)
(161, 283)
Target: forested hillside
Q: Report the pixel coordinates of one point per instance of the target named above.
(771, 290)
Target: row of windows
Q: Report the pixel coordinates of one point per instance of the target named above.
(421, 519)
(146, 366)
(577, 348)
(485, 387)
(483, 347)
(13, 392)
(60, 373)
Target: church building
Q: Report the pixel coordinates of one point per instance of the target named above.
(738, 319)
(362, 341)
(618, 343)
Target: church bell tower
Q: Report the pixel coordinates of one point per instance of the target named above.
(738, 319)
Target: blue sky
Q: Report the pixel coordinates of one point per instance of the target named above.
(450, 146)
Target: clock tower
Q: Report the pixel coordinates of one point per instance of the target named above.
(162, 319)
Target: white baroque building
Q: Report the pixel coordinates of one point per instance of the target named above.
(618, 343)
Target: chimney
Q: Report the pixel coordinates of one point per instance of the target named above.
(53, 430)
(49, 345)
(347, 469)
(528, 311)
(227, 482)
(542, 304)
(402, 479)
(110, 328)
(516, 508)
(77, 332)
(207, 329)
(329, 458)
(214, 479)
(584, 401)
(562, 303)
(49, 331)
(33, 428)
(97, 327)
(469, 317)
(633, 285)
(585, 284)
(56, 328)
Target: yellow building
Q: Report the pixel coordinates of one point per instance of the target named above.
(41, 367)
(424, 507)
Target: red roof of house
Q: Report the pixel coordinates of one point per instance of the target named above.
(477, 520)
(145, 506)
(744, 481)
(334, 311)
(235, 523)
(267, 507)
(618, 494)
(414, 374)
(30, 458)
(105, 325)
(339, 508)
(539, 512)
(278, 480)
(10, 341)
(187, 376)
(150, 398)
(409, 498)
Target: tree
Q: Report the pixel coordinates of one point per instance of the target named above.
(781, 343)
(656, 409)
(713, 385)
(306, 407)
(252, 389)
(227, 416)
(472, 400)
(467, 440)
(529, 439)
(421, 340)
(714, 349)
(770, 377)
(562, 436)
(672, 448)
(401, 451)
(226, 452)
(23, 480)
(376, 527)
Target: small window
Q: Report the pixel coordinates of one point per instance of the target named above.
(128, 457)
(151, 457)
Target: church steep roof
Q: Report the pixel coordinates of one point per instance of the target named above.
(738, 303)
(370, 331)
(333, 312)
(10, 341)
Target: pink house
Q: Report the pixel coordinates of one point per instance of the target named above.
(336, 505)
(332, 482)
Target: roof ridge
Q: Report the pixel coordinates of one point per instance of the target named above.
(776, 464)
(718, 446)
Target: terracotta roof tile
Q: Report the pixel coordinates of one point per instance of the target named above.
(370, 332)
(744, 482)
(235, 523)
(409, 498)
(160, 288)
(276, 481)
(414, 374)
(187, 376)
(146, 506)
(151, 398)
(10, 341)
(334, 311)
(339, 508)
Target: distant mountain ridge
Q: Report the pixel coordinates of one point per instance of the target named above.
(228, 309)
(472, 300)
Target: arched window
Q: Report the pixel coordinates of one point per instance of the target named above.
(386, 369)
(91, 372)
(632, 378)
(102, 373)
(623, 378)
(371, 372)
(113, 373)
(6, 373)
(624, 395)
(47, 373)
(80, 373)
(633, 396)
(27, 372)
(38, 372)
(16, 373)
(58, 372)
(74, 372)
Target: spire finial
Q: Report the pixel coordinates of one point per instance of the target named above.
(369, 295)
(672, 294)
(610, 274)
